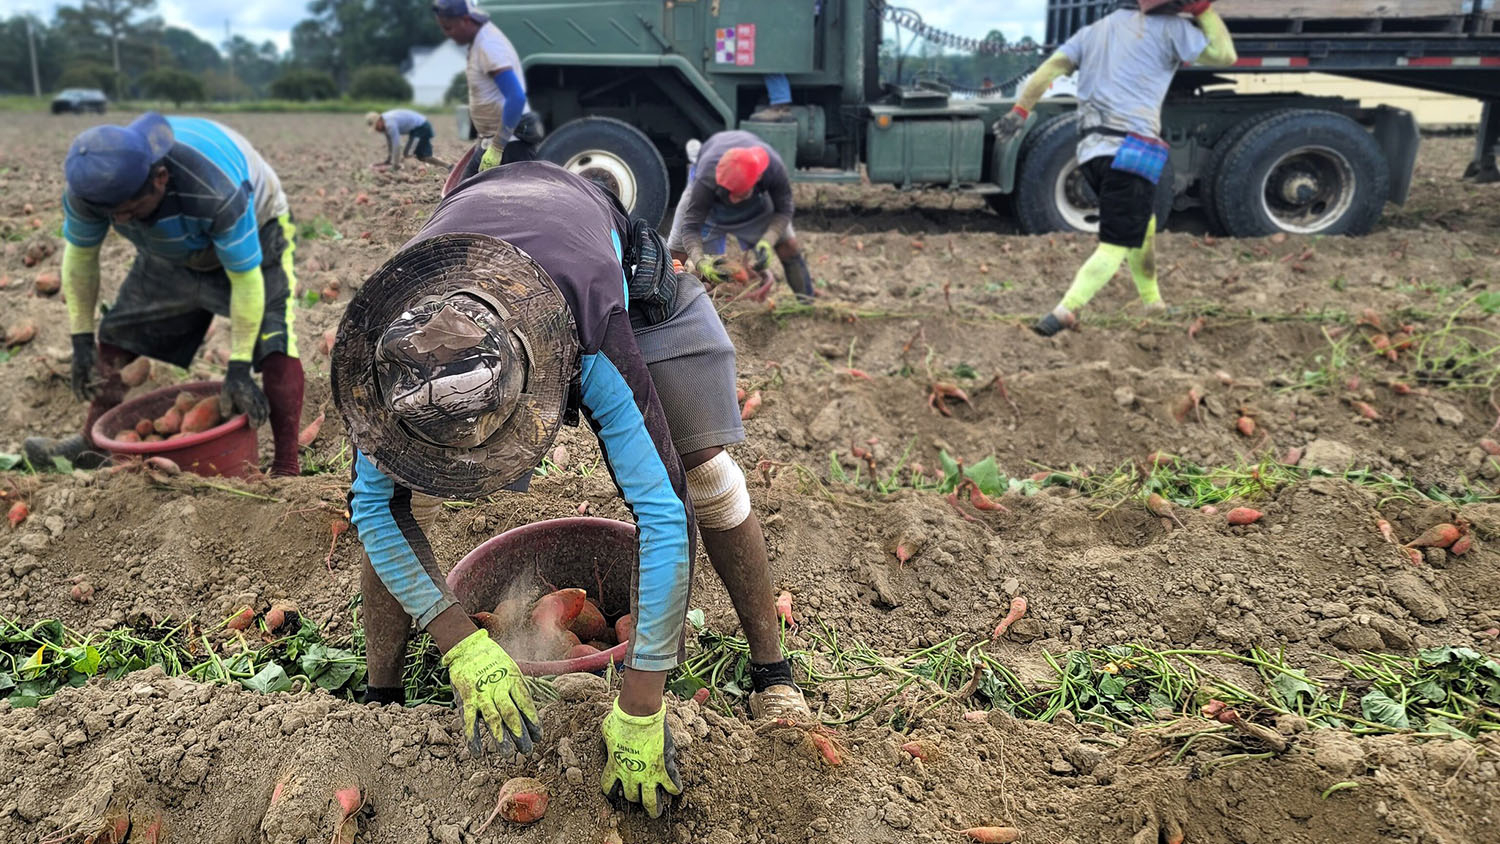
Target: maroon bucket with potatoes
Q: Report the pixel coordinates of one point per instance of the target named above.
(228, 450)
(596, 555)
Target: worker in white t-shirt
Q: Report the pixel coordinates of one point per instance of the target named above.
(497, 88)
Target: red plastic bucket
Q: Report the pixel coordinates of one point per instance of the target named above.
(229, 450)
(597, 555)
(456, 175)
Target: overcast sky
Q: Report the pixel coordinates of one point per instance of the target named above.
(274, 20)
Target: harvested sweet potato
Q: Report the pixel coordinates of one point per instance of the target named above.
(169, 422)
(522, 800)
(128, 436)
(579, 651)
(184, 401)
(624, 627)
(135, 373)
(558, 610)
(1243, 516)
(590, 623)
(145, 427)
(203, 416)
(48, 282)
(154, 438)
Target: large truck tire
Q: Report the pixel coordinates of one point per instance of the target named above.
(1052, 195)
(1302, 171)
(1207, 185)
(616, 155)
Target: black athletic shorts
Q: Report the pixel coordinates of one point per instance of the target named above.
(1126, 202)
(163, 309)
(422, 136)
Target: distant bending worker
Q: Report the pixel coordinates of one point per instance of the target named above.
(1125, 64)
(417, 129)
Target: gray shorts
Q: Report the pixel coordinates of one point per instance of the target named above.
(691, 361)
(715, 234)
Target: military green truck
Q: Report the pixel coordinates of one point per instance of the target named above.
(624, 85)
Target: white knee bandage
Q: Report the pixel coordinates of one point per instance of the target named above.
(718, 491)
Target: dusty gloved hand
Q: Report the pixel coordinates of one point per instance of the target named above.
(1010, 125)
(242, 395)
(639, 758)
(764, 252)
(491, 157)
(488, 683)
(84, 357)
(709, 268)
(1198, 8)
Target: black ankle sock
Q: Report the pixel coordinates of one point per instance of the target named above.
(393, 694)
(774, 674)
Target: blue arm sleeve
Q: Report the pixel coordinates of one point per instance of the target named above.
(398, 549)
(623, 410)
(515, 97)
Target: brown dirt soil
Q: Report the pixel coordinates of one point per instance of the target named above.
(925, 287)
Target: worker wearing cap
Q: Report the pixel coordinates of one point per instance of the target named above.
(212, 235)
(1125, 63)
(507, 130)
(739, 187)
(418, 131)
(528, 297)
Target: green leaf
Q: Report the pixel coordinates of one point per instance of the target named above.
(1429, 691)
(986, 475)
(1445, 656)
(950, 472)
(7, 682)
(697, 618)
(62, 464)
(836, 469)
(1441, 725)
(1111, 686)
(35, 664)
(1294, 691)
(1377, 706)
(9, 461)
(85, 659)
(267, 680)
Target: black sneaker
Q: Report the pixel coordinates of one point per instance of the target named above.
(75, 449)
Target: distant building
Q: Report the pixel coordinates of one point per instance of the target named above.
(430, 70)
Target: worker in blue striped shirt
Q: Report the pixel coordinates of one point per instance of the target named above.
(213, 236)
(529, 296)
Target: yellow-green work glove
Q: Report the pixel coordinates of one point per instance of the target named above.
(764, 252)
(639, 758)
(487, 683)
(708, 269)
(491, 157)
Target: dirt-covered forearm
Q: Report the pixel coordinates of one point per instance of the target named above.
(80, 279)
(1051, 70)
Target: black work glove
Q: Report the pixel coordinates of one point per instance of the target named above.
(84, 356)
(241, 394)
(1010, 125)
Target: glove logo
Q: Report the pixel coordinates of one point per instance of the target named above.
(629, 763)
(495, 675)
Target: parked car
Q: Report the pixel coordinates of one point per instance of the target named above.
(80, 100)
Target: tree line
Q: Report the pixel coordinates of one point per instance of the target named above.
(124, 48)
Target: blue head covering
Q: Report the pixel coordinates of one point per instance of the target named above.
(109, 164)
(459, 9)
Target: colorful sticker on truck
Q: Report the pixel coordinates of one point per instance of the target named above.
(735, 45)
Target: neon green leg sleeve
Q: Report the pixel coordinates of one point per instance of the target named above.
(1093, 275)
(1143, 267)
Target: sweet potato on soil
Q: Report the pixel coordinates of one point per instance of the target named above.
(135, 373)
(241, 620)
(203, 416)
(310, 433)
(752, 405)
(1017, 610)
(21, 333)
(282, 616)
(18, 513)
(1437, 536)
(1365, 410)
(48, 282)
(590, 623)
(1162, 507)
(1462, 546)
(992, 834)
(1246, 426)
(522, 800)
(1242, 516)
(169, 422)
(350, 800)
(784, 608)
